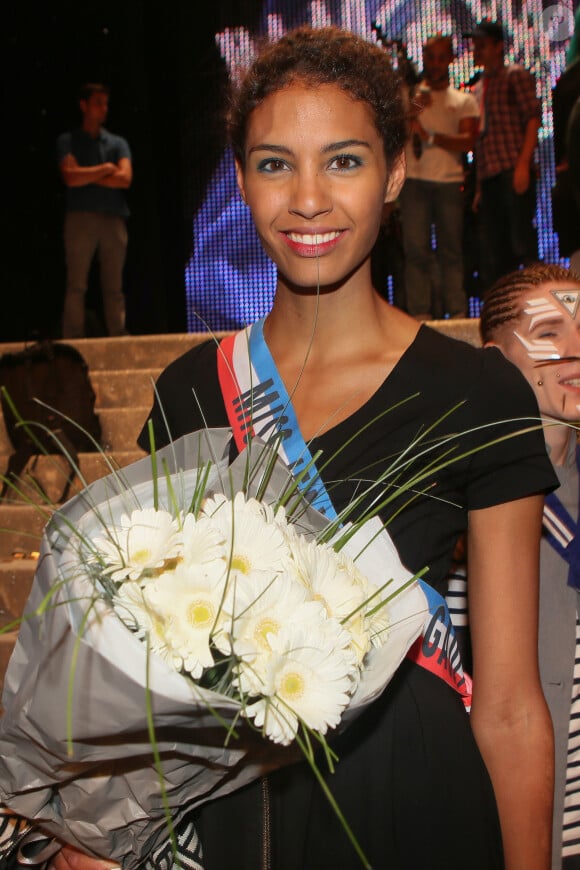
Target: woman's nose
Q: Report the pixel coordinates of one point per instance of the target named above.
(310, 195)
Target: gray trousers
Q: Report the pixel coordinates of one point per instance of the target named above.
(85, 234)
(424, 203)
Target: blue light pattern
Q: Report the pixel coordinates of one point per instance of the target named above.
(229, 280)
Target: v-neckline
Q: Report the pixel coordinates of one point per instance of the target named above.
(392, 377)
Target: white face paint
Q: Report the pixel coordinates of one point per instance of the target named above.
(539, 349)
(537, 312)
(545, 346)
(540, 309)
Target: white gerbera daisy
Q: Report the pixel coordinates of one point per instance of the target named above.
(189, 603)
(325, 578)
(203, 543)
(143, 542)
(131, 605)
(254, 543)
(335, 581)
(256, 614)
(308, 679)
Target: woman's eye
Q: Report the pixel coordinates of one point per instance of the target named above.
(345, 161)
(271, 164)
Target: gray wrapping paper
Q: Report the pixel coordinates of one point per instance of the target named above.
(105, 796)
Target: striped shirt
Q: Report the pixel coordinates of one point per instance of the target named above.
(571, 820)
(456, 596)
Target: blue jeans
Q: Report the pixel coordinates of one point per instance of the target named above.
(508, 238)
(424, 203)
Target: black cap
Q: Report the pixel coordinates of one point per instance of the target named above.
(487, 28)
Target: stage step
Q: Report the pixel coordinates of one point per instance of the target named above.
(122, 372)
(52, 473)
(120, 428)
(128, 352)
(14, 590)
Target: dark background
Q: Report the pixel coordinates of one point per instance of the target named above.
(167, 96)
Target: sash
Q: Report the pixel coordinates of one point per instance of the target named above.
(561, 532)
(257, 403)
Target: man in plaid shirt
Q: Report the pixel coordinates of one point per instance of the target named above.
(511, 116)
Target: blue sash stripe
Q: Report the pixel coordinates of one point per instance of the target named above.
(284, 419)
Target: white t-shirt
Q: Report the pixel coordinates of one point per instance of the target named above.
(448, 107)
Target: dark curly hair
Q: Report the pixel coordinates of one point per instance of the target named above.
(501, 303)
(326, 55)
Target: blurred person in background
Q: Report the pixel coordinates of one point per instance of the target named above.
(95, 166)
(511, 116)
(444, 129)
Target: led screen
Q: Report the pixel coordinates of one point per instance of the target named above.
(229, 280)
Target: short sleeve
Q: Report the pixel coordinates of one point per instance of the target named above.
(509, 459)
(123, 148)
(469, 108)
(63, 147)
(187, 398)
(523, 85)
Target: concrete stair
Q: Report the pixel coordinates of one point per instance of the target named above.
(122, 372)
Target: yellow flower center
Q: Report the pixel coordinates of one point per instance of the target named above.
(200, 614)
(141, 557)
(265, 627)
(292, 686)
(241, 564)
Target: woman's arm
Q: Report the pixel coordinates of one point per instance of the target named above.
(509, 716)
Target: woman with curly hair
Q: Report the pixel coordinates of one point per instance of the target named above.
(318, 128)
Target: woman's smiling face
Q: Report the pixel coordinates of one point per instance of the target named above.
(315, 178)
(544, 344)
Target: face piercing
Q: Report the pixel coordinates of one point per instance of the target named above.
(540, 382)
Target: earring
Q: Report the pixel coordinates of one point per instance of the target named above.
(540, 382)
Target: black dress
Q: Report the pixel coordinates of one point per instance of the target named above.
(410, 780)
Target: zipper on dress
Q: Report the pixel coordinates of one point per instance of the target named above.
(266, 832)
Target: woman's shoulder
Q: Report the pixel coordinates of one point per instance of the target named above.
(481, 382)
(441, 355)
(195, 360)
(447, 351)
(187, 396)
(195, 370)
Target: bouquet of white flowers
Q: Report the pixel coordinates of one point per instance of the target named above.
(183, 611)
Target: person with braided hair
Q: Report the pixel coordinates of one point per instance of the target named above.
(533, 316)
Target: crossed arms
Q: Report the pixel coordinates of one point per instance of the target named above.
(117, 175)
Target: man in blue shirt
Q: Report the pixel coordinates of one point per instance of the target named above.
(95, 166)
